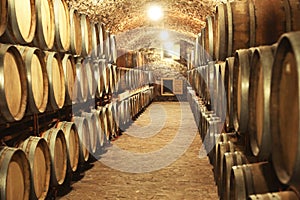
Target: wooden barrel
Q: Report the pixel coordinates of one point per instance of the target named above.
(37, 79)
(62, 26)
(244, 24)
(68, 64)
(104, 74)
(116, 116)
(86, 35)
(203, 54)
(83, 133)
(99, 32)
(81, 83)
(90, 75)
(110, 121)
(95, 41)
(121, 57)
(72, 140)
(38, 154)
(113, 49)
(228, 84)
(98, 72)
(259, 101)
(221, 149)
(100, 132)
(290, 195)
(3, 16)
(108, 78)
(107, 50)
(92, 130)
(15, 174)
(249, 179)
(241, 74)
(103, 119)
(13, 87)
(115, 78)
(284, 110)
(20, 27)
(230, 159)
(57, 90)
(209, 37)
(75, 34)
(45, 26)
(58, 153)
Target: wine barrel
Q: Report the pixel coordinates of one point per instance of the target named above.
(209, 37)
(99, 32)
(116, 117)
(108, 78)
(86, 33)
(15, 174)
(284, 110)
(72, 140)
(244, 24)
(38, 154)
(221, 148)
(84, 138)
(103, 119)
(290, 195)
(94, 41)
(203, 53)
(75, 35)
(81, 83)
(3, 16)
(98, 72)
(241, 74)
(110, 121)
(56, 79)
(107, 50)
(20, 28)
(37, 79)
(259, 102)
(45, 31)
(121, 58)
(58, 153)
(230, 159)
(248, 179)
(13, 87)
(68, 64)
(115, 78)
(62, 26)
(228, 84)
(104, 73)
(90, 75)
(113, 49)
(92, 130)
(100, 132)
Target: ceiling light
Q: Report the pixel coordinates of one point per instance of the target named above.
(155, 12)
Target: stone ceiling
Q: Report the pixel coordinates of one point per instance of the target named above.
(185, 17)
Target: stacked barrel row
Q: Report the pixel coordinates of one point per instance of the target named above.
(257, 156)
(51, 25)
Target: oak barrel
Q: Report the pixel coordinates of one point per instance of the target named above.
(103, 120)
(113, 49)
(72, 140)
(68, 64)
(58, 153)
(92, 130)
(81, 89)
(75, 34)
(38, 154)
(21, 22)
(90, 75)
(98, 72)
(100, 132)
(37, 78)
(45, 26)
(248, 179)
(259, 101)
(13, 87)
(3, 16)
(56, 79)
(86, 33)
(284, 109)
(62, 25)
(228, 84)
(84, 138)
(15, 174)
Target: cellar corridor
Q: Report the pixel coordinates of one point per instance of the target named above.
(139, 164)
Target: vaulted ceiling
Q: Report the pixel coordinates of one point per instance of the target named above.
(182, 17)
